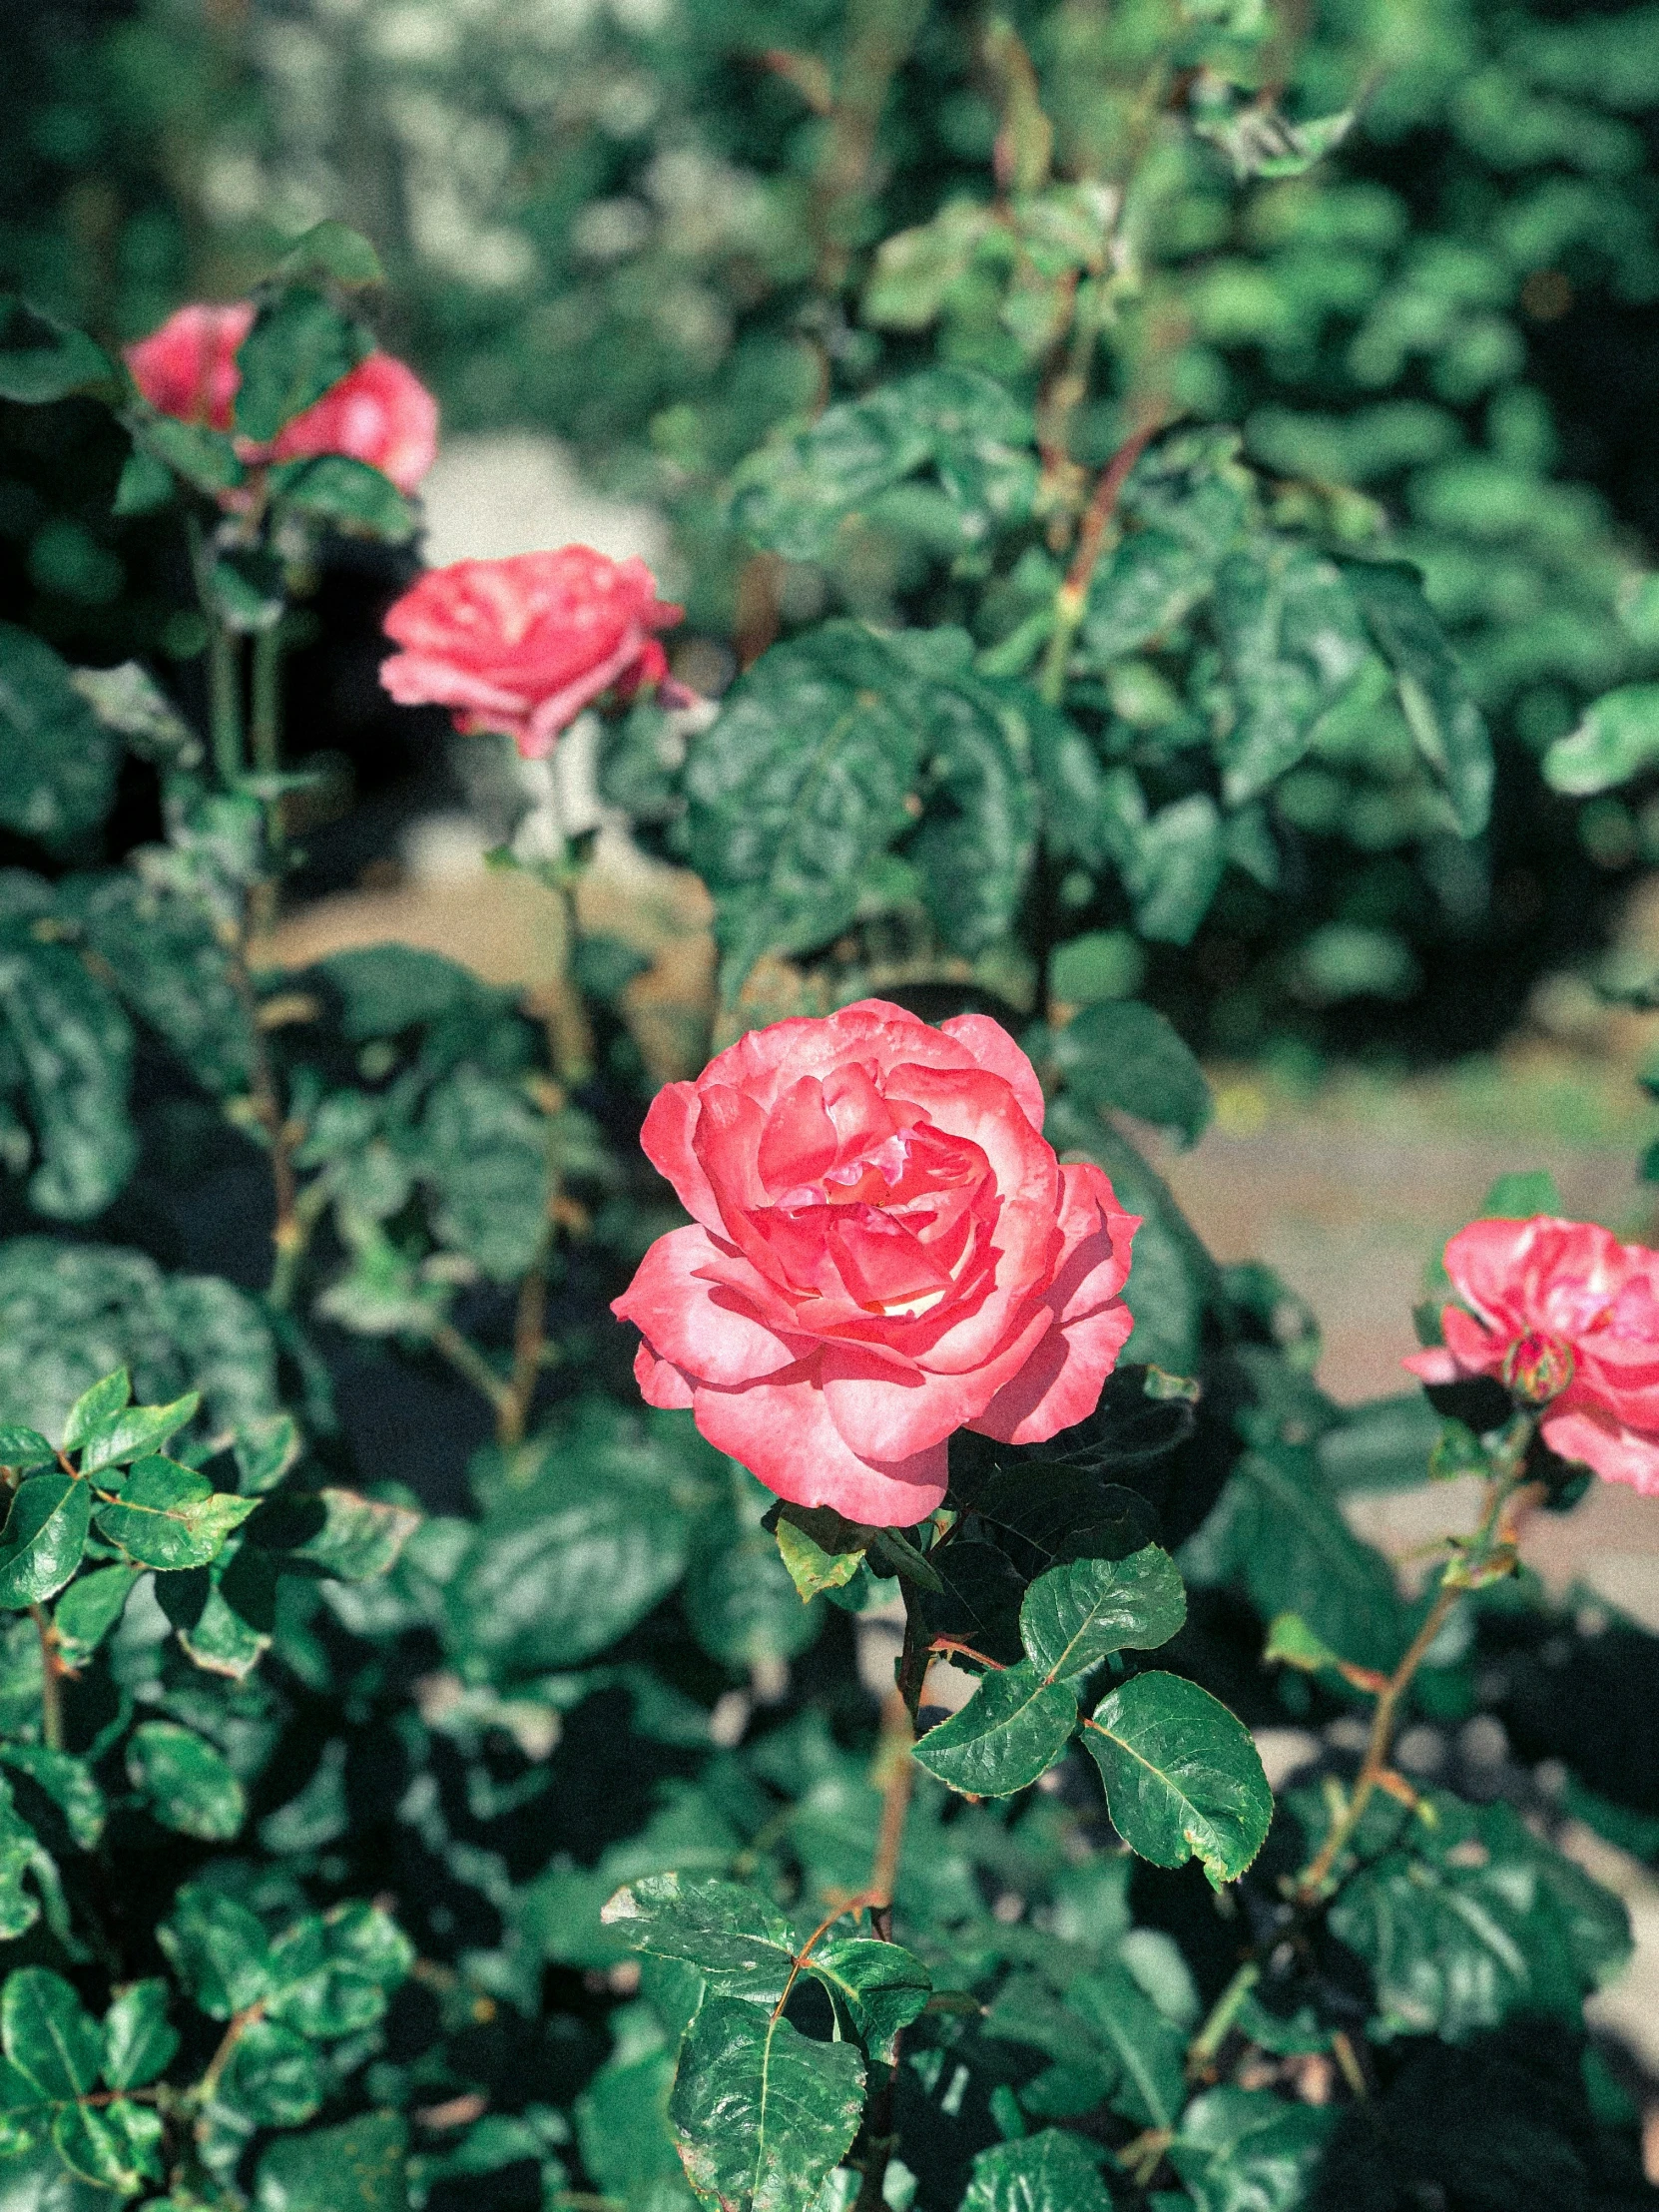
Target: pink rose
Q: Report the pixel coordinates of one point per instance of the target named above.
(523, 645)
(188, 367)
(381, 412)
(1567, 1319)
(886, 1250)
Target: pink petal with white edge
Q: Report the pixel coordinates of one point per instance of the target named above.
(1616, 1454)
(666, 1141)
(997, 1052)
(1060, 1384)
(782, 1431)
(706, 1331)
(661, 1385)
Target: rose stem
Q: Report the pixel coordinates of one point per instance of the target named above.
(51, 1679)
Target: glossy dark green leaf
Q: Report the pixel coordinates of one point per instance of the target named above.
(23, 1449)
(90, 1608)
(482, 1153)
(1146, 2052)
(70, 1783)
(170, 1518)
(274, 2079)
(1463, 1924)
(171, 969)
(761, 2113)
(1051, 2172)
(57, 761)
(623, 2132)
(204, 457)
(42, 359)
(1075, 1614)
(75, 1047)
(1127, 1055)
(139, 2039)
(339, 1535)
(20, 1856)
(1448, 728)
(1065, 1512)
(133, 1433)
(881, 1986)
(1182, 1778)
(219, 1951)
(799, 786)
(300, 346)
(1142, 591)
(977, 837)
(1618, 739)
(333, 488)
(1292, 640)
(183, 1782)
(1246, 2150)
(361, 2166)
(1012, 1729)
(45, 1534)
(1175, 868)
(100, 1402)
(115, 2146)
(741, 1603)
(48, 2034)
(337, 1972)
(740, 1943)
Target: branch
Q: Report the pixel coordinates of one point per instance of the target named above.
(51, 1679)
(1073, 595)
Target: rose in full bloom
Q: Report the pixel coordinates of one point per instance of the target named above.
(523, 645)
(886, 1249)
(1566, 1318)
(381, 412)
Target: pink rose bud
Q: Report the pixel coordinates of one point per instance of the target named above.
(523, 645)
(1567, 1318)
(381, 412)
(886, 1249)
(1537, 1367)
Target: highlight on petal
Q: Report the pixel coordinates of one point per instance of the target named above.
(704, 1328)
(1595, 1439)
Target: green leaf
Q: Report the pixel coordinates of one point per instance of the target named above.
(739, 1602)
(761, 2113)
(266, 1451)
(68, 1782)
(75, 1045)
(1291, 1643)
(1176, 867)
(333, 251)
(1011, 1730)
(184, 1783)
(47, 2035)
(799, 785)
(1183, 1779)
(20, 1854)
(139, 2039)
(819, 1550)
(128, 699)
(42, 360)
(219, 1951)
(1471, 1919)
(99, 1403)
(274, 2079)
(1052, 2171)
(300, 347)
(128, 1435)
(143, 486)
(337, 1972)
(742, 1945)
(977, 838)
(483, 1155)
(1293, 640)
(1618, 739)
(168, 1517)
(23, 1449)
(1246, 2150)
(335, 488)
(90, 1608)
(45, 1534)
(113, 2146)
(1446, 724)
(361, 2166)
(582, 1546)
(1127, 1055)
(1067, 1513)
(205, 458)
(881, 1986)
(1145, 2052)
(170, 966)
(1150, 582)
(1519, 1197)
(338, 1534)
(57, 761)
(1075, 1614)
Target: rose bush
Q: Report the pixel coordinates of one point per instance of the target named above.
(523, 645)
(1567, 1318)
(379, 414)
(885, 1249)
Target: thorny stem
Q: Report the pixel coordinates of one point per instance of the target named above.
(264, 732)
(1480, 1553)
(51, 1679)
(1073, 595)
(895, 1771)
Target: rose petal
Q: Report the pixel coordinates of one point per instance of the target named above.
(660, 1384)
(1060, 1384)
(781, 1429)
(993, 1048)
(1597, 1441)
(884, 1414)
(707, 1331)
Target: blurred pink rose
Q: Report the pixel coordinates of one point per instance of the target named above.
(381, 412)
(886, 1250)
(1567, 1318)
(523, 645)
